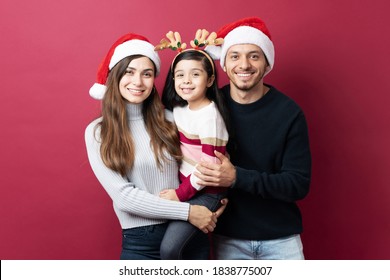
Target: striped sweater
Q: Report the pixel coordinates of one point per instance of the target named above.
(201, 132)
(135, 197)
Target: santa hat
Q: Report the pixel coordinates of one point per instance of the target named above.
(127, 45)
(251, 30)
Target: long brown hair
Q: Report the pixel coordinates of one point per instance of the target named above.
(117, 147)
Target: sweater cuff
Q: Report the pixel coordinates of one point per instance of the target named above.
(238, 174)
(185, 191)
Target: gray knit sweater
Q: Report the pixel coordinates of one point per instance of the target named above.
(135, 197)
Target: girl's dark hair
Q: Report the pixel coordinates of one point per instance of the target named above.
(171, 99)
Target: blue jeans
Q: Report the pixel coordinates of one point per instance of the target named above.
(142, 243)
(183, 240)
(286, 248)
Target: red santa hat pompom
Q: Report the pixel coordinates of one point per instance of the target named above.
(250, 30)
(127, 45)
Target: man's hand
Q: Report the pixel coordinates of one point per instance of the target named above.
(216, 174)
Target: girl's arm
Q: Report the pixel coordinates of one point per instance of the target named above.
(213, 136)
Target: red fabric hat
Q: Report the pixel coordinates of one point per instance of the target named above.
(250, 30)
(127, 45)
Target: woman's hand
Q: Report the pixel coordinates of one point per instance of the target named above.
(203, 218)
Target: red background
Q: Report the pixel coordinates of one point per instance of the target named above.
(332, 57)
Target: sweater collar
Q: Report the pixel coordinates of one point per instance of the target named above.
(259, 102)
(134, 111)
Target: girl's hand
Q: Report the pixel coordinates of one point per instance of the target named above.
(169, 194)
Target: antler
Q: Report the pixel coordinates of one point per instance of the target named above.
(202, 38)
(174, 42)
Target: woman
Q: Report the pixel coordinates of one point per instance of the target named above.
(134, 151)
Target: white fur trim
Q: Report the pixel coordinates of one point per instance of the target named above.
(249, 35)
(214, 51)
(133, 47)
(97, 91)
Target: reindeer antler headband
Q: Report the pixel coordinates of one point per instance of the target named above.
(202, 39)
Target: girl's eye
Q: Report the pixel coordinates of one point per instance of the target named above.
(148, 74)
(178, 75)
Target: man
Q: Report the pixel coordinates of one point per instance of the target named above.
(270, 162)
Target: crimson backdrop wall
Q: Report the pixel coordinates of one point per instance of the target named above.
(331, 57)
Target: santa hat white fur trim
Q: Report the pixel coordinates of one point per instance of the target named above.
(244, 35)
(214, 51)
(97, 91)
(133, 47)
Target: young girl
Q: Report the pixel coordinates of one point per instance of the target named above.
(191, 91)
(134, 151)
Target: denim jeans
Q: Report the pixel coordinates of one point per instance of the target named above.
(286, 248)
(182, 240)
(142, 243)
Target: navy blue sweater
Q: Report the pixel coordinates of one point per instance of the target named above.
(270, 149)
